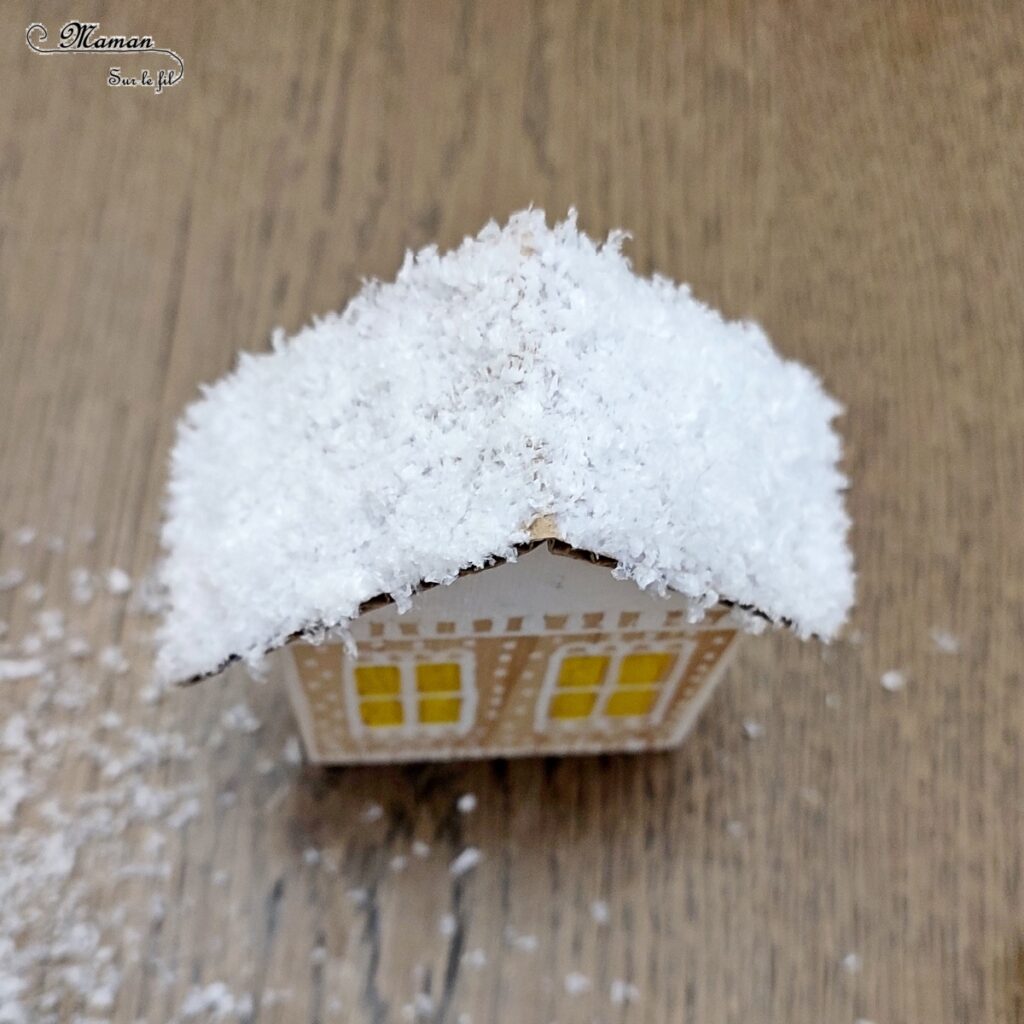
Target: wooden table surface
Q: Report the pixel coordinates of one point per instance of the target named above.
(851, 175)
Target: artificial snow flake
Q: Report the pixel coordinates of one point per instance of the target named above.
(371, 813)
(944, 641)
(753, 729)
(82, 588)
(78, 648)
(893, 680)
(623, 992)
(112, 658)
(517, 940)
(851, 963)
(21, 669)
(468, 859)
(10, 579)
(239, 718)
(119, 582)
(576, 984)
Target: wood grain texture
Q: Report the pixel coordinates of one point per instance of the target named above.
(848, 174)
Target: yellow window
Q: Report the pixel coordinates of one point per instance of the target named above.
(572, 705)
(380, 714)
(377, 680)
(641, 669)
(582, 672)
(628, 703)
(441, 678)
(440, 710)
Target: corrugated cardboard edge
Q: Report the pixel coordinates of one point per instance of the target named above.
(544, 528)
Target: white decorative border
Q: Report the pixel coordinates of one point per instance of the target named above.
(301, 704)
(615, 652)
(412, 727)
(410, 627)
(695, 705)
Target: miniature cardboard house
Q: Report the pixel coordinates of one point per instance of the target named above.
(517, 501)
(547, 654)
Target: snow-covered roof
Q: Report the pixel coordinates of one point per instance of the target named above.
(530, 372)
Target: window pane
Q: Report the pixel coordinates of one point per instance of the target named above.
(373, 680)
(644, 668)
(440, 710)
(443, 678)
(582, 671)
(627, 703)
(379, 714)
(572, 705)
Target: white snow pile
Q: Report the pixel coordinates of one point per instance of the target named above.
(423, 429)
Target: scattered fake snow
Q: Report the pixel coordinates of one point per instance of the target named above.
(944, 641)
(526, 943)
(529, 372)
(112, 658)
(85, 811)
(119, 582)
(291, 752)
(576, 984)
(894, 680)
(753, 729)
(466, 803)
(358, 897)
(10, 579)
(240, 718)
(78, 648)
(623, 992)
(58, 913)
(465, 861)
(422, 1006)
(21, 668)
(371, 813)
(851, 963)
(83, 589)
(216, 1002)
